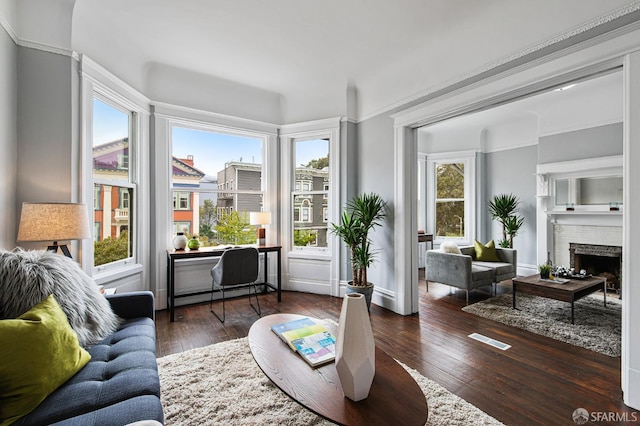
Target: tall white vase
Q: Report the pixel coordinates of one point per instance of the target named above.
(355, 348)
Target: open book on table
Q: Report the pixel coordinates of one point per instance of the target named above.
(309, 338)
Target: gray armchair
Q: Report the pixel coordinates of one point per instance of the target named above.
(237, 268)
(463, 271)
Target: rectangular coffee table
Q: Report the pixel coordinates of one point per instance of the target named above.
(570, 291)
(394, 398)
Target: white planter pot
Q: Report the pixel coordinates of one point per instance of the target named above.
(355, 348)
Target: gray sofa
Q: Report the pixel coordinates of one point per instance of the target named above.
(120, 384)
(465, 272)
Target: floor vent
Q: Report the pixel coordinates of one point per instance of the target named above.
(490, 341)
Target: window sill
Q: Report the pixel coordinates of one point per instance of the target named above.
(117, 273)
(310, 254)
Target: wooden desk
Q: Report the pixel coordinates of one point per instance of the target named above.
(394, 398)
(173, 255)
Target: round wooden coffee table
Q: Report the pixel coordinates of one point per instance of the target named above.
(395, 398)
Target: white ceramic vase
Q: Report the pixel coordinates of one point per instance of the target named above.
(355, 348)
(180, 241)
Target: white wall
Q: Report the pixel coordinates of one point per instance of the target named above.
(8, 137)
(193, 90)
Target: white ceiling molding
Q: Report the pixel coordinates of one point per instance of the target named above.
(4, 22)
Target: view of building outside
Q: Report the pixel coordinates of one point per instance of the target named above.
(449, 199)
(114, 191)
(216, 183)
(311, 193)
(229, 188)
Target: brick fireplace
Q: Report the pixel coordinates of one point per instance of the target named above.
(594, 248)
(601, 260)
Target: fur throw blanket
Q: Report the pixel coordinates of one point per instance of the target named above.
(29, 277)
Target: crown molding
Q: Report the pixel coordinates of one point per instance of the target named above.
(188, 115)
(48, 48)
(9, 29)
(549, 49)
(574, 128)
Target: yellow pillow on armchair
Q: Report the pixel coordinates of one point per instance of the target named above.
(486, 253)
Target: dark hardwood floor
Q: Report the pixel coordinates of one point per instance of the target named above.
(538, 381)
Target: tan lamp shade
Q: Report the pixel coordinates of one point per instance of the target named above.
(53, 222)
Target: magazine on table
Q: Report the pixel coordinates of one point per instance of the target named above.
(309, 338)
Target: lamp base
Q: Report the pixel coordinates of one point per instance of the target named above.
(261, 236)
(54, 249)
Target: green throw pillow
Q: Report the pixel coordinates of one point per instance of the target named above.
(39, 352)
(486, 253)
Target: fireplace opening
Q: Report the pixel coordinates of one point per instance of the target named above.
(599, 260)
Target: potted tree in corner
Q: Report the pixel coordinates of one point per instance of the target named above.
(363, 213)
(504, 208)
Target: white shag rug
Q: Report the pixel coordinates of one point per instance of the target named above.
(221, 384)
(596, 327)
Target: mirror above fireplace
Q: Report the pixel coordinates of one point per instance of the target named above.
(589, 191)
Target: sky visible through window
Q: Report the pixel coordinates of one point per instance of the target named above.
(210, 150)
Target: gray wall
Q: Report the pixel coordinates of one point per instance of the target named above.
(595, 142)
(375, 173)
(8, 138)
(47, 127)
(512, 172)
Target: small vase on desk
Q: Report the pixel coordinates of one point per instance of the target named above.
(355, 348)
(180, 241)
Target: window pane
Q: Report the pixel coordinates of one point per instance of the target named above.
(110, 142)
(113, 189)
(311, 166)
(222, 177)
(309, 225)
(450, 180)
(113, 223)
(450, 218)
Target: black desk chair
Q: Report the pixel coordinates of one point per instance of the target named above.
(237, 267)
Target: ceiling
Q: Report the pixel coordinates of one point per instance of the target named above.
(581, 104)
(336, 57)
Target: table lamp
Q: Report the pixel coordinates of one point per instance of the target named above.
(260, 218)
(54, 222)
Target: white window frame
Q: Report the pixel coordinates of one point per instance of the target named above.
(99, 83)
(321, 129)
(228, 186)
(468, 158)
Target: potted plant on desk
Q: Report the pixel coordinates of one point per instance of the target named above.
(363, 213)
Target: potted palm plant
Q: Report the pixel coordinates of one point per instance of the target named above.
(363, 213)
(504, 208)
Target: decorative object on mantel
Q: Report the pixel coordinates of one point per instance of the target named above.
(570, 207)
(194, 243)
(355, 348)
(180, 241)
(614, 206)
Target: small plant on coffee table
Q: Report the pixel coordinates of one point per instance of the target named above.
(544, 269)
